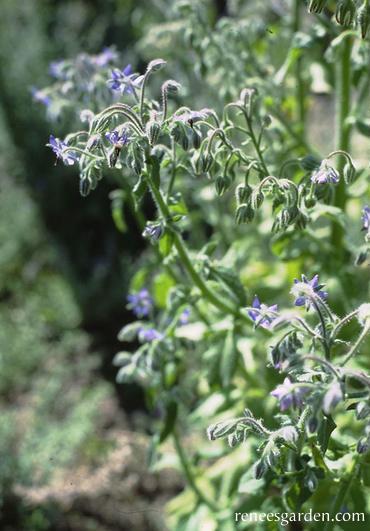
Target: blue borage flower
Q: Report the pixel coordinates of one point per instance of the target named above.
(106, 56)
(305, 290)
(40, 96)
(365, 218)
(125, 81)
(140, 303)
(147, 335)
(325, 174)
(261, 314)
(289, 394)
(59, 147)
(117, 139)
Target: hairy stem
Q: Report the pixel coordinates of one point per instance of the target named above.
(356, 346)
(179, 243)
(343, 129)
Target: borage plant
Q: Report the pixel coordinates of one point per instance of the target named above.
(201, 335)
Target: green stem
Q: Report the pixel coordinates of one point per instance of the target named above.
(343, 129)
(189, 474)
(173, 169)
(212, 297)
(355, 347)
(325, 342)
(256, 144)
(340, 498)
(142, 95)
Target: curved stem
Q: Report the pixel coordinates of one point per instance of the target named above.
(173, 169)
(342, 323)
(256, 144)
(142, 95)
(353, 350)
(189, 474)
(211, 296)
(323, 326)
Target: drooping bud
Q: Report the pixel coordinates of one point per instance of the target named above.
(362, 410)
(312, 424)
(316, 6)
(243, 193)
(345, 12)
(179, 133)
(156, 65)
(266, 121)
(257, 199)
(363, 446)
(153, 130)
(260, 469)
(206, 161)
(363, 18)
(310, 162)
(222, 184)
(244, 213)
(171, 87)
(93, 142)
(332, 397)
(221, 429)
(196, 139)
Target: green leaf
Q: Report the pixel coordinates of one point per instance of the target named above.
(118, 214)
(249, 485)
(231, 280)
(161, 287)
(327, 427)
(365, 474)
(165, 244)
(129, 331)
(170, 420)
(334, 213)
(122, 358)
(176, 205)
(139, 190)
(363, 127)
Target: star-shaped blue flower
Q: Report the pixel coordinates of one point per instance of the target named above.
(59, 147)
(261, 314)
(116, 138)
(304, 287)
(289, 394)
(125, 80)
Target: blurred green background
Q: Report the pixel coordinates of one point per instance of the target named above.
(64, 270)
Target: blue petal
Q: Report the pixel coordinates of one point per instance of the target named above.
(127, 70)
